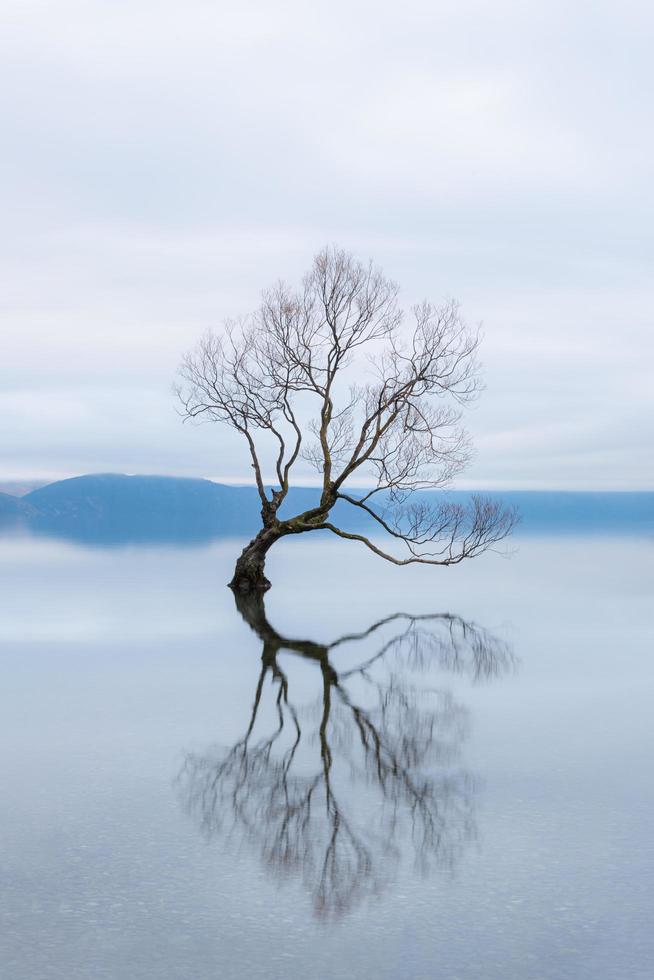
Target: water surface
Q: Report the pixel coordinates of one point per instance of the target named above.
(386, 772)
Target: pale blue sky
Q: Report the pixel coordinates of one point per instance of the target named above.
(162, 162)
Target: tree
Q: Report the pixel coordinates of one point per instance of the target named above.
(331, 373)
(292, 786)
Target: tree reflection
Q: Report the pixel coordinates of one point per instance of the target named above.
(337, 791)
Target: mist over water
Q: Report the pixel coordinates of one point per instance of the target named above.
(384, 772)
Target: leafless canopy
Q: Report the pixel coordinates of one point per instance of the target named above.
(336, 374)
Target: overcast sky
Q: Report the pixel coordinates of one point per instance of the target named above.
(163, 161)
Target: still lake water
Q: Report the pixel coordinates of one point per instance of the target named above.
(463, 790)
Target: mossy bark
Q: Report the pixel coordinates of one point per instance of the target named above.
(249, 574)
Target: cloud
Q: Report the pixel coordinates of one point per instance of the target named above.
(163, 164)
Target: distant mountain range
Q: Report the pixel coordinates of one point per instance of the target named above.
(111, 508)
(18, 488)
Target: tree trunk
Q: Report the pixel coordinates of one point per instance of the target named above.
(249, 575)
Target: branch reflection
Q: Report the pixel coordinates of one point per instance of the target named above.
(339, 790)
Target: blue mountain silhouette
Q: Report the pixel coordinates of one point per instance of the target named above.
(111, 508)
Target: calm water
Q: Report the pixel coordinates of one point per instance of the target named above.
(389, 773)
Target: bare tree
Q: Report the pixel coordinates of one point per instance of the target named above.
(286, 786)
(291, 375)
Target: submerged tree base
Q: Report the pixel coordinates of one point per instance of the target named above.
(249, 574)
(244, 585)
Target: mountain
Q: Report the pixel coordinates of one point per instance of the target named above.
(112, 508)
(18, 488)
(9, 508)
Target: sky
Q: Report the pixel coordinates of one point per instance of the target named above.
(163, 162)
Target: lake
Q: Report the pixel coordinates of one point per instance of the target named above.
(383, 772)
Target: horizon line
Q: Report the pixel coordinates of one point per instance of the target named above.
(28, 484)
